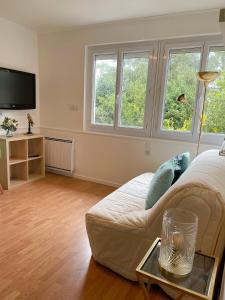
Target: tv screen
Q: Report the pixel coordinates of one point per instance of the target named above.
(17, 89)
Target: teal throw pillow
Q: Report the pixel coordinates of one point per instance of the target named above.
(160, 183)
(185, 161)
(175, 160)
(166, 175)
(181, 163)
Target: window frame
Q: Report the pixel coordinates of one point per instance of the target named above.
(90, 93)
(155, 89)
(149, 47)
(211, 138)
(159, 132)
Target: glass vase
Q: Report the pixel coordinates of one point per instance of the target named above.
(9, 133)
(178, 238)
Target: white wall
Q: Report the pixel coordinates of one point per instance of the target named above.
(222, 26)
(19, 50)
(105, 158)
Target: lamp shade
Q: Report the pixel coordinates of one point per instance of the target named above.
(207, 76)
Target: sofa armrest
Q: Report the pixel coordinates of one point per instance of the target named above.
(206, 203)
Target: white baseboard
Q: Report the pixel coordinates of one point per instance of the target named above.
(83, 177)
(97, 180)
(59, 172)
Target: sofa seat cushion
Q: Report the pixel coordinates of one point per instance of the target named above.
(128, 199)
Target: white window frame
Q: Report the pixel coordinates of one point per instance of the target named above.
(155, 91)
(90, 92)
(151, 48)
(204, 43)
(211, 138)
(159, 131)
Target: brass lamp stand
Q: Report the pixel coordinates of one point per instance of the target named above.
(206, 77)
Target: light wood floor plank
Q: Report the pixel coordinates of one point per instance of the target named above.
(44, 250)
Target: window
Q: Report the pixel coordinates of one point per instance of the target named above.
(122, 88)
(183, 64)
(104, 89)
(213, 121)
(133, 89)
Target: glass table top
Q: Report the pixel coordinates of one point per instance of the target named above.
(198, 280)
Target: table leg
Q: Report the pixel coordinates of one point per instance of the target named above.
(180, 296)
(146, 289)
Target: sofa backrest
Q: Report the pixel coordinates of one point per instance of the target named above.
(208, 169)
(201, 189)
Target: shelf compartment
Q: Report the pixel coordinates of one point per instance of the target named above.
(35, 157)
(18, 173)
(17, 150)
(16, 181)
(35, 168)
(14, 161)
(34, 176)
(35, 147)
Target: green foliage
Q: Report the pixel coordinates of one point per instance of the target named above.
(105, 92)
(215, 104)
(133, 92)
(215, 108)
(135, 72)
(181, 78)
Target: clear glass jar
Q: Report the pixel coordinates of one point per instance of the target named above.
(179, 231)
(9, 133)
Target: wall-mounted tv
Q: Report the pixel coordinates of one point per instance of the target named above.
(17, 89)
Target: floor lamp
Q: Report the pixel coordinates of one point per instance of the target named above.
(206, 78)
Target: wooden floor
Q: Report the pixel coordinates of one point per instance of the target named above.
(44, 250)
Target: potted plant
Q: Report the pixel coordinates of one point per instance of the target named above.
(9, 125)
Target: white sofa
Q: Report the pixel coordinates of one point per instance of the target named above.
(120, 230)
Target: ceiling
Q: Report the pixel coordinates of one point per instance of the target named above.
(52, 14)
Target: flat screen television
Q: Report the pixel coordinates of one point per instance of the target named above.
(17, 89)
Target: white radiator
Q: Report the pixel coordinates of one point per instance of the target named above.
(59, 154)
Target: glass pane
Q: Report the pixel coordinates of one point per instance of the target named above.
(105, 86)
(213, 120)
(134, 81)
(181, 79)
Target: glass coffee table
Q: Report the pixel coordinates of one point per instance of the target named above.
(199, 283)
